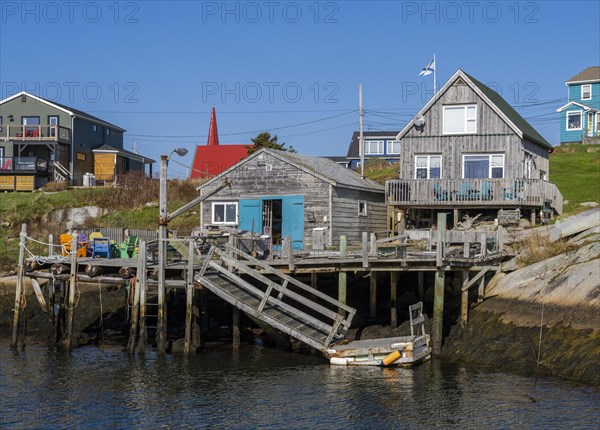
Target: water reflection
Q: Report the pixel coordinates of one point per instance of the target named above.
(258, 387)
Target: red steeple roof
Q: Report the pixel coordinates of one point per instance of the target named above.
(213, 135)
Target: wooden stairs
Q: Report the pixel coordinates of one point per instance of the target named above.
(279, 300)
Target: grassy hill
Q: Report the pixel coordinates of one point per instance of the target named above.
(575, 169)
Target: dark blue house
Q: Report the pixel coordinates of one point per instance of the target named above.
(378, 144)
(580, 117)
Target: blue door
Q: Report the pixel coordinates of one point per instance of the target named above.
(251, 211)
(293, 219)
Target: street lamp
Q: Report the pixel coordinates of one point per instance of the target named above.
(161, 335)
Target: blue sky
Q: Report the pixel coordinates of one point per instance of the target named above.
(156, 68)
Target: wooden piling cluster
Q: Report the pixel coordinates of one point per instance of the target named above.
(139, 275)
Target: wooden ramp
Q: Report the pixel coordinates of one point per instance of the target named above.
(280, 301)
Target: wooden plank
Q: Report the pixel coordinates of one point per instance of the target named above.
(464, 300)
(263, 317)
(476, 278)
(282, 289)
(38, 293)
(293, 281)
(272, 300)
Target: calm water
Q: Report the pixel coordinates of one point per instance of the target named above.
(258, 387)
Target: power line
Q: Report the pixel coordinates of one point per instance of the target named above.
(245, 132)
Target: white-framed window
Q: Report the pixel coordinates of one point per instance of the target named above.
(428, 166)
(574, 120)
(598, 122)
(393, 147)
(107, 131)
(586, 92)
(94, 128)
(374, 147)
(362, 208)
(476, 166)
(460, 119)
(225, 213)
(1, 123)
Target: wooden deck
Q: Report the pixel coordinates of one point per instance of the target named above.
(483, 193)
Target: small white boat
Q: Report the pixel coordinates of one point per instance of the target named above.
(393, 351)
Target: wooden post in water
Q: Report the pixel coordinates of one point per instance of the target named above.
(481, 290)
(421, 283)
(72, 286)
(373, 295)
(189, 290)
(464, 299)
(393, 299)
(342, 276)
(19, 290)
(438, 299)
(141, 285)
(196, 316)
(236, 328)
(135, 310)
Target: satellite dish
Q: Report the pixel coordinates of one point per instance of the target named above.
(419, 121)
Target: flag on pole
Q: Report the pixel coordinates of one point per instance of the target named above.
(428, 69)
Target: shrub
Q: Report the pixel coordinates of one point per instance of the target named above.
(54, 186)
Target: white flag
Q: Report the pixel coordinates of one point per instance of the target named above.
(428, 69)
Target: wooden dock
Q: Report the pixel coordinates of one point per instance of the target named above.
(267, 289)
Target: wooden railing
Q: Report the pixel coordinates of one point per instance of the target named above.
(11, 165)
(473, 192)
(53, 133)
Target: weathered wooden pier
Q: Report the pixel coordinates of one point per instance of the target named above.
(267, 290)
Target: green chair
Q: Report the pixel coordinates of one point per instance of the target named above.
(128, 249)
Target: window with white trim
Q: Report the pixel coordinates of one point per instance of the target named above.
(460, 119)
(393, 147)
(586, 92)
(374, 147)
(428, 166)
(478, 166)
(224, 212)
(574, 120)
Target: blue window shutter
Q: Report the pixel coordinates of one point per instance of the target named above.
(293, 219)
(251, 210)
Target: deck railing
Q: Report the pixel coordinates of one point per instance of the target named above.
(503, 192)
(52, 133)
(11, 165)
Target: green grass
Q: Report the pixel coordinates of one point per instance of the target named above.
(575, 169)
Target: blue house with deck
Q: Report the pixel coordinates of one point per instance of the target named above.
(580, 117)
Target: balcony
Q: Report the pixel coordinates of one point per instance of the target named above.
(23, 165)
(464, 193)
(35, 133)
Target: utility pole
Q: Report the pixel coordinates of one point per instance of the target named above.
(360, 125)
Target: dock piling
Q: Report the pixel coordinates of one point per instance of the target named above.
(189, 290)
(342, 276)
(19, 290)
(72, 286)
(373, 295)
(393, 299)
(236, 328)
(438, 299)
